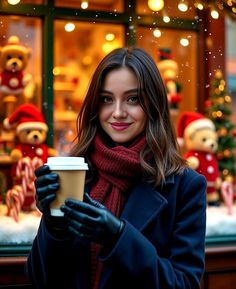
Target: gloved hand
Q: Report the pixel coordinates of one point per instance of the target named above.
(91, 220)
(46, 184)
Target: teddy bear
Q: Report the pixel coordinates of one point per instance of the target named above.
(30, 152)
(198, 134)
(169, 71)
(14, 58)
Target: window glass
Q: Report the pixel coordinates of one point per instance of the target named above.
(76, 56)
(27, 31)
(231, 80)
(170, 8)
(104, 5)
(20, 43)
(231, 63)
(184, 56)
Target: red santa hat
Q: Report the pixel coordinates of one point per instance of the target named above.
(13, 43)
(190, 122)
(166, 60)
(26, 116)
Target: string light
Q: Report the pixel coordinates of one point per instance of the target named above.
(214, 13)
(69, 27)
(156, 5)
(199, 5)
(183, 5)
(13, 2)
(165, 16)
(184, 42)
(110, 36)
(157, 33)
(84, 4)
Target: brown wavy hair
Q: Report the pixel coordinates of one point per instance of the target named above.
(160, 134)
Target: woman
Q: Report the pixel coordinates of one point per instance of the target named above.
(142, 222)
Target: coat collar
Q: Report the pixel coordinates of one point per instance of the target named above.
(143, 205)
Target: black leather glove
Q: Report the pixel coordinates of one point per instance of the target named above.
(91, 220)
(46, 184)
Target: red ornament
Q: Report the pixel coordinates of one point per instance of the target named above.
(208, 104)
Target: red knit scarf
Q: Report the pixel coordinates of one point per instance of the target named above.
(118, 168)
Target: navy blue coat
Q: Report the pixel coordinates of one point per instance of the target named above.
(161, 246)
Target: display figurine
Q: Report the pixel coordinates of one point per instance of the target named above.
(169, 71)
(197, 133)
(30, 152)
(14, 58)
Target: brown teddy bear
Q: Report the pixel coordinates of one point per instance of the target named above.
(14, 58)
(30, 152)
(200, 139)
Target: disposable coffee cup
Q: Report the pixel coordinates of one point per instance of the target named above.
(71, 171)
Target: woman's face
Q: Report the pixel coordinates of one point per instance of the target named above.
(120, 113)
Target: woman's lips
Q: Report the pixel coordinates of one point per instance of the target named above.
(120, 125)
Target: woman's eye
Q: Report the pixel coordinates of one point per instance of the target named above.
(133, 99)
(106, 99)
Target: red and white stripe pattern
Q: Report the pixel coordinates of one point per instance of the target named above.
(14, 200)
(25, 173)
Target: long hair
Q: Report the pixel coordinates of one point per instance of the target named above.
(160, 133)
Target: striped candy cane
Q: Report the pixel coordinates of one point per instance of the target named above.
(16, 196)
(14, 200)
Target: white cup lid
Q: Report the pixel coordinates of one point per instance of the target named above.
(67, 163)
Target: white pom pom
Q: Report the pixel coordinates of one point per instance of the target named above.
(6, 123)
(180, 141)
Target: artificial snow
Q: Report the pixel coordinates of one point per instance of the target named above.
(23, 231)
(219, 223)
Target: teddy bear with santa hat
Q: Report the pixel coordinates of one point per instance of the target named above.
(30, 152)
(14, 58)
(198, 134)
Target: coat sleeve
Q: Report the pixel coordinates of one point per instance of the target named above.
(53, 260)
(182, 265)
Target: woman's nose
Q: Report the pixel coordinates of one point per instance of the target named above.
(119, 110)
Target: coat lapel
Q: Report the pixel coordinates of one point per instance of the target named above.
(143, 205)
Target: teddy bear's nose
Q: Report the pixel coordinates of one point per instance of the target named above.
(35, 136)
(14, 63)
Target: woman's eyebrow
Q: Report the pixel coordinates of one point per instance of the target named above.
(131, 90)
(105, 91)
(126, 92)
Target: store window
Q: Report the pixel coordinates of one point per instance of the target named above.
(77, 53)
(59, 88)
(104, 5)
(21, 81)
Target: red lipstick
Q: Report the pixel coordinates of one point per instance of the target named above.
(120, 125)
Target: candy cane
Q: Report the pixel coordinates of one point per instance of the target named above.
(16, 196)
(25, 171)
(228, 195)
(14, 200)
